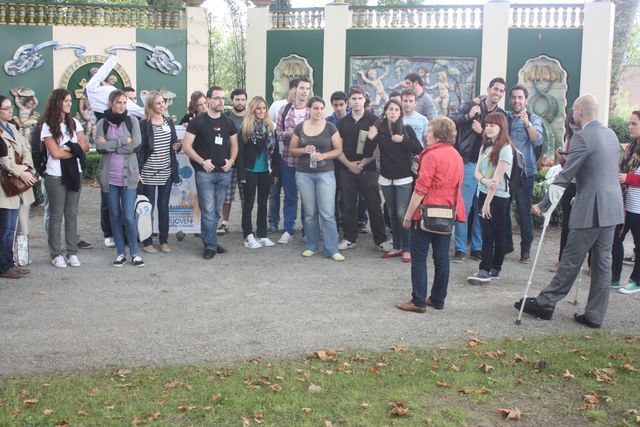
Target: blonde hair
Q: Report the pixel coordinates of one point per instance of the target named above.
(444, 130)
(250, 118)
(148, 103)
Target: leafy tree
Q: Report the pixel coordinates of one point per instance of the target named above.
(227, 65)
(625, 19)
(280, 4)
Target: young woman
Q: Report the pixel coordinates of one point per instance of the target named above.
(118, 173)
(439, 183)
(158, 164)
(492, 172)
(197, 105)
(316, 143)
(12, 143)
(397, 143)
(630, 177)
(258, 163)
(66, 144)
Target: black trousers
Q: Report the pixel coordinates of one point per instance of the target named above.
(631, 222)
(365, 183)
(260, 183)
(494, 239)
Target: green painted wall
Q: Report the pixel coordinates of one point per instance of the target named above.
(151, 79)
(306, 43)
(40, 79)
(564, 45)
(427, 42)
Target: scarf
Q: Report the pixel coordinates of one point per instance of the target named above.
(115, 118)
(262, 137)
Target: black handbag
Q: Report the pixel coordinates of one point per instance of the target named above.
(439, 219)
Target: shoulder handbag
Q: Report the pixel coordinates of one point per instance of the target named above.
(439, 219)
(11, 184)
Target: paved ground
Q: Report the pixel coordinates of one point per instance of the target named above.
(268, 302)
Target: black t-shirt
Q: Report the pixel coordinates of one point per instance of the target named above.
(208, 131)
(352, 133)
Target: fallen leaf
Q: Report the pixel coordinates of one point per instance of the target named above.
(473, 342)
(216, 397)
(122, 373)
(307, 410)
(518, 358)
(328, 423)
(185, 408)
(81, 414)
(399, 348)
(576, 350)
(258, 417)
(632, 412)
(276, 388)
(601, 375)
(398, 409)
(442, 384)
(314, 388)
(484, 390)
(454, 368)
(551, 376)
(40, 293)
(519, 381)
(592, 398)
(629, 368)
(638, 419)
(487, 368)
(245, 422)
(325, 354)
(138, 422)
(154, 416)
(47, 411)
(62, 423)
(510, 414)
(30, 401)
(373, 370)
(463, 390)
(15, 411)
(568, 375)
(364, 405)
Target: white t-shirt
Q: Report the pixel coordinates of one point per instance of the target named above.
(275, 107)
(299, 114)
(53, 165)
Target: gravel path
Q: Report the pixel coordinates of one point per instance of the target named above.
(268, 302)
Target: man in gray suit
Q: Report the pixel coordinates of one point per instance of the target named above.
(598, 208)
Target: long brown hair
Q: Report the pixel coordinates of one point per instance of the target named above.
(195, 97)
(502, 139)
(383, 121)
(53, 112)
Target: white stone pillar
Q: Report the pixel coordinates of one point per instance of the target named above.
(495, 43)
(336, 22)
(197, 50)
(597, 48)
(258, 23)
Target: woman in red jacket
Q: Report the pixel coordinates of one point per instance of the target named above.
(438, 183)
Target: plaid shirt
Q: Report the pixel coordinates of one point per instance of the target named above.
(289, 126)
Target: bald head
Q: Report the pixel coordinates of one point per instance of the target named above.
(585, 109)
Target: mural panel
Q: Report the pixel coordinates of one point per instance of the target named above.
(450, 81)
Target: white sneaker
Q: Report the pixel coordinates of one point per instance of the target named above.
(73, 261)
(265, 241)
(109, 242)
(386, 246)
(285, 238)
(59, 262)
(345, 244)
(251, 242)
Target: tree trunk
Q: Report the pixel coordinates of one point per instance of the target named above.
(625, 18)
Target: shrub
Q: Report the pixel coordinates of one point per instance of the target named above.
(619, 126)
(91, 165)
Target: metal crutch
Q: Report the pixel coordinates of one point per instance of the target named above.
(555, 194)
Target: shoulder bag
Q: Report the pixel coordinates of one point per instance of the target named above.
(439, 219)
(11, 184)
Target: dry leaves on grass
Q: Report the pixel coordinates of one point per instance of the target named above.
(307, 410)
(175, 383)
(325, 354)
(364, 405)
(314, 388)
(567, 374)
(30, 401)
(591, 401)
(40, 293)
(47, 411)
(511, 414)
(399, 348)
(122, 373)
(463, 390)
(276, 388)
(81, 413)
(474, 342)
(602, 375)
(486, 368)
(398, 409)
(629, 368)
(185, 408)
(216, 397)
(62, 423)
(494, 354)
(484, 390)
(442, 384)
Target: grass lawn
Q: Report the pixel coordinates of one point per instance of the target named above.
(544, 381)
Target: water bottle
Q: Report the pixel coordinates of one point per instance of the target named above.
(313, 163)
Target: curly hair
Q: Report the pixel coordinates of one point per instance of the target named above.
(54, 117)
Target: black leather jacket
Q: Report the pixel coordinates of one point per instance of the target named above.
(468, 142)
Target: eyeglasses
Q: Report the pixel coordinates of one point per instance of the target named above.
(7, 108)
(219, 98)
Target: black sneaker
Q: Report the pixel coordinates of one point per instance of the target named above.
(84, 245)
(362, 227)
(629, 260)
(120, 261)
(458, 257)
(495, 274)
(532, 307)
(480, 278)
(221, 250)
(222, 229)
(208, 254)
(476, 255)
(137, 261)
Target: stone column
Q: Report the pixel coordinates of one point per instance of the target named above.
(258, 23)
(597, 48)
(337, 20)
(495, 43)
(197, 65)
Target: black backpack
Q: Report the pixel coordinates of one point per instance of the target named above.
(518, 178)
(127, 123)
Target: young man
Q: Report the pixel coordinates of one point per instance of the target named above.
(469, 123)
(130, 93)
(239, 105)
(358, 174)
(526, 132)
(339, 105)
(424, 101)
(212, 146)
(273, 216)
(288, 119)
(417, 121)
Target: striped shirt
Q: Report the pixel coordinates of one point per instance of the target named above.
(157, 168)
(633, 198)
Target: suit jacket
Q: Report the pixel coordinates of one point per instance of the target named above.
(593, 162)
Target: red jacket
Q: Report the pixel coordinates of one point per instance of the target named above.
(441, 171)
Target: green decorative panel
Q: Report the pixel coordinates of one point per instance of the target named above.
(40, 79)
(151, 79)
(565, 45)
(419, 42)
(308, 44)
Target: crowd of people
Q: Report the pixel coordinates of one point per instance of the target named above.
(338, 165)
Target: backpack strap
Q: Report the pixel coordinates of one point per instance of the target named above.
(286, 110)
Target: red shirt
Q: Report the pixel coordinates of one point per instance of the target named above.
(441, 172)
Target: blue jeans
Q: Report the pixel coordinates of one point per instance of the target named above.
(105, 221)
(164, 192)
(318, 192)
(524, 200)
(273, 217)
(469, 187)
(8, 219)
(121, 202)
(211, 188)
(288, 178)
(397, 199)
(420, 241)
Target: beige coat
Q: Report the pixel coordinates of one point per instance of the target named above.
(22, 146)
